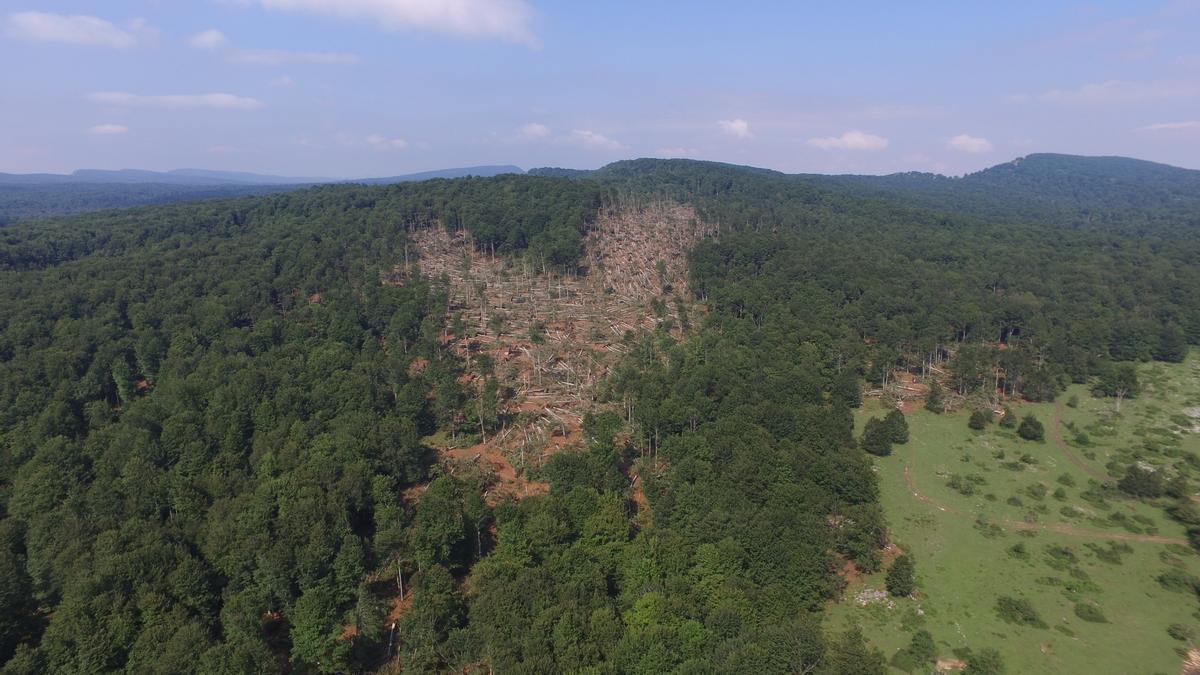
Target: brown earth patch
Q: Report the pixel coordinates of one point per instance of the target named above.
(1191, 662)
(553, 334)
(950, 665)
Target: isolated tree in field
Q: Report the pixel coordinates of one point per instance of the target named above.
(1031, 429)
(897, 427)
(935, 400)
(979, 420)
(1141, 482)
(876, 438)
(899, 580)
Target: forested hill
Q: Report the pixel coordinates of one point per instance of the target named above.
(1069, 190)
(218, 420)
(1074, 191)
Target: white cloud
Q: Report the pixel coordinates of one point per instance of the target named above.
(534, 130)
(208, 39)
(507, 20)
(1171, 126)
(215, 101)
(213, 39)
(851, 140)
(591, 139)
(972, 144)
(72, 29)
(108, 129)
(737, 128)
(381, 142)
(1114, 91)
(279, 57)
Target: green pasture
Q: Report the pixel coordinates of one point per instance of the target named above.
(999, 516)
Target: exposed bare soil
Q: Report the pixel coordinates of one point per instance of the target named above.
(553, 334)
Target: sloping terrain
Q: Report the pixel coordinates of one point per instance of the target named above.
(552, 336)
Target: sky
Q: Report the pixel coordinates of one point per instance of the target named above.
(358, 88)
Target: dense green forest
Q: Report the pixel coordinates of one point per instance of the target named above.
(209, 418)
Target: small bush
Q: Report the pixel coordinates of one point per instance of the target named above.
(1112, 553)
(1019, 551)
(1178, 581)
(1181, 632)
(1071, 512)
(1141, 482)
(1089, 612)
(1067, 479)
(979, 420)
(1018, 611)
(963, 486)
(1060, 557)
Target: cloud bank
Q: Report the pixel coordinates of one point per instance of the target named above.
(1171, 126)
(71, 29)
(108, 129)
(218, 101)
(590, 139)
(534, 131)
(738, 128)
(851, 140)
(1114, 91)
(972, 144)
(507, 20)
(279, 57)
(208, 39)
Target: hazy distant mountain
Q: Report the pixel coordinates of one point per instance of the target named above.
(209, 177)
(481, 171)
(46, 194)
(1072, 190)
(141, 177)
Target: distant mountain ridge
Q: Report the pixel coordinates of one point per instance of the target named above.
(1074, 191)
(215, 178)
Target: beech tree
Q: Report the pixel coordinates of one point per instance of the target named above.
(1031, 429)
(897, 427)
(900, 581)
(877, 437)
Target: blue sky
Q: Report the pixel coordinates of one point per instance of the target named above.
(347, 88)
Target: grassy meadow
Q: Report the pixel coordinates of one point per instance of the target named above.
(988, 515)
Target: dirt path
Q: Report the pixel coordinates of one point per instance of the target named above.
(1057, 438)
(1059, 528)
